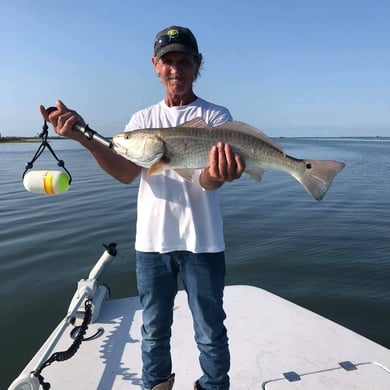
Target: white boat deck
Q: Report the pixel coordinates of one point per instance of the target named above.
(274, 345)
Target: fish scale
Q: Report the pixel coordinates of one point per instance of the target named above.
(184, 148)
(188, 146)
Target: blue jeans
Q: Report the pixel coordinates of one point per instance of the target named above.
(203, 277)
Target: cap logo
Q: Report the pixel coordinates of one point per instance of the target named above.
(172, 33)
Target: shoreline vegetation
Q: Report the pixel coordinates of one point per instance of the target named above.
(25, 139)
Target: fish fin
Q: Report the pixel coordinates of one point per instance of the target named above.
(186, 174)
(157, 167)
(247, 129)
(318, 176)
(255, 174)
(196, 122)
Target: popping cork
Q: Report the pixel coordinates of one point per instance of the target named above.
(46, 182)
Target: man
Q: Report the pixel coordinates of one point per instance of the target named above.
(179, 226)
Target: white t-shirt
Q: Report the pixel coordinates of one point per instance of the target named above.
(173, 214)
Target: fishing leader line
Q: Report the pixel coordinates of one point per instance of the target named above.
(46, 181)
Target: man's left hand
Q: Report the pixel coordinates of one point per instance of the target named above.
(224, 166)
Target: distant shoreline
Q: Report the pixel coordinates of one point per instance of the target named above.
(25, 139)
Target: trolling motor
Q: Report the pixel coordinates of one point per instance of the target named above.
(83, 310)
(54, 182)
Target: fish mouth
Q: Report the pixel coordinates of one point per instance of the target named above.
(118, 148)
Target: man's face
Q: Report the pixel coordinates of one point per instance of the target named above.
(177, 72)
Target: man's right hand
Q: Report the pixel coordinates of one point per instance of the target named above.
(63, 120)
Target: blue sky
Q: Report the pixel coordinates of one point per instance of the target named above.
(288, 67)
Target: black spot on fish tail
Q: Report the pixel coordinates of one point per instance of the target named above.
(318, 176)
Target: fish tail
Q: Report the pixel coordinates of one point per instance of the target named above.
(318, 176)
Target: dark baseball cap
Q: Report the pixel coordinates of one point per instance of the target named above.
(175, 38)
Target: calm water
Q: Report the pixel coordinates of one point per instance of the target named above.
(331, 256)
